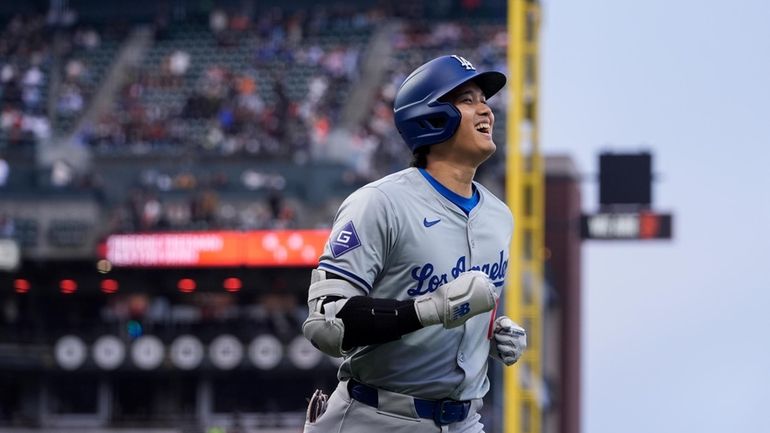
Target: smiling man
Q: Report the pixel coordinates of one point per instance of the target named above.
(407, 286)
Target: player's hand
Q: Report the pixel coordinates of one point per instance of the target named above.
(455, 302)
(509, 341)
(316, 406)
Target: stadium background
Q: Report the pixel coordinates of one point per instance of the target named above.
(233, 130)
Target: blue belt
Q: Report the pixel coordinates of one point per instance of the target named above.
(442, 412)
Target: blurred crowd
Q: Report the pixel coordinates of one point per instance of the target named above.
(266, 85)
(145, 210)
(79, 79)
(34, 48)
(234, 105)
(24, 63)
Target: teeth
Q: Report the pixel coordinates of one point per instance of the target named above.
(484, 127)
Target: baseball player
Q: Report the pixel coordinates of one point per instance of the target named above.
(407, 286)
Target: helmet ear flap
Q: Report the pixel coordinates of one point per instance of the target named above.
(421, 126)
(436, 122)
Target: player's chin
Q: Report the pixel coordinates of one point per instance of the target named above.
(484, 153)
(487, 146)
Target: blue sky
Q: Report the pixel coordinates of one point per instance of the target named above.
(675, 333)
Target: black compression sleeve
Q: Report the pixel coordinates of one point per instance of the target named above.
(374, 321)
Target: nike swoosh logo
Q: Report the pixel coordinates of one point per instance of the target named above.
(427, 223)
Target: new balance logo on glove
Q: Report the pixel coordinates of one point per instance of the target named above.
(461, 310)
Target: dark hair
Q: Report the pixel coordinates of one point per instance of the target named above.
(420, 157)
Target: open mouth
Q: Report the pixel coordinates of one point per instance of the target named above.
(484, 128)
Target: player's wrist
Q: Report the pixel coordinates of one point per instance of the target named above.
(427, 311)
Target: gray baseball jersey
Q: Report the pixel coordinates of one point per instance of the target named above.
(399, 238)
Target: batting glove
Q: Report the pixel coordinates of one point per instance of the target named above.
(455, 302)
(509, 341)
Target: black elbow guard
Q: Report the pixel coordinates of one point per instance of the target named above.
(374, 321)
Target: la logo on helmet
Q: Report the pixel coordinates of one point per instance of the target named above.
(464, 63)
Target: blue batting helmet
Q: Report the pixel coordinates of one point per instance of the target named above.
(420, 117)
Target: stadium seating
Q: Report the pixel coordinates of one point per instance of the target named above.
(25, 64)
(220, 94)
(254, 92)
(90, 52)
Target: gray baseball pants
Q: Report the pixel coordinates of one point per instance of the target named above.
(396, 414)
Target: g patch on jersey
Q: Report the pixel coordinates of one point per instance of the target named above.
(344, 240)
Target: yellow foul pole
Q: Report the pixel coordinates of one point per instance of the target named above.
(525, 196)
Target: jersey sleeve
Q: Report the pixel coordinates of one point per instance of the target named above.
(361, 238)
